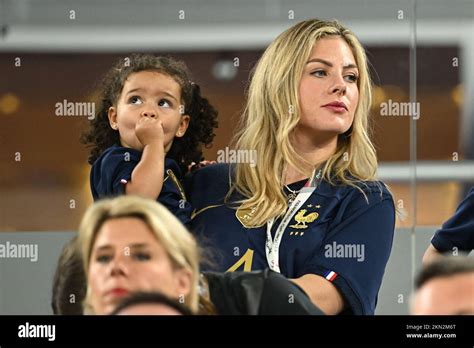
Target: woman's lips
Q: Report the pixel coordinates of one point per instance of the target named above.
(118, 292)
(338, 109)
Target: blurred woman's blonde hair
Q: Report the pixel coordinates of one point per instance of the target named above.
(168, 230)
(272, 112)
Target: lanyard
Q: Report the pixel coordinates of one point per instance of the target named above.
(272, 247)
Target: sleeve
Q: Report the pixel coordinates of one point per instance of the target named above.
(458, 231)
(110, 174)
(356, 249)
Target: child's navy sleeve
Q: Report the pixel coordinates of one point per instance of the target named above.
(112, 170)
(356, 249)
(458, 231)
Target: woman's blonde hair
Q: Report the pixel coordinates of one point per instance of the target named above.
(272, 112)
(168, 230)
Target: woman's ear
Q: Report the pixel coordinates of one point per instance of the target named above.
(183, 126)
(112, 114)
(183, 279)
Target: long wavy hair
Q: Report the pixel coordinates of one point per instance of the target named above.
(272, 112)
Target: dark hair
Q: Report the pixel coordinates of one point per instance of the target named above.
(69, 280)
(444, 267)
(151, 297)
(203, 116)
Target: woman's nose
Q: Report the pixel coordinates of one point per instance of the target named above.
(118, 266)
(338, 85)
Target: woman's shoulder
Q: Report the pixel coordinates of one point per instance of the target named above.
(373, 187)
(211, 182)
(363, 199)
(214, 168)
(212, 174)
(371, 191)
(367, 196)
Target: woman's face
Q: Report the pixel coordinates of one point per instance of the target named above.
(127, 257)
(328, 89)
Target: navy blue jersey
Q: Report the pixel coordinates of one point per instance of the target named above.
(337, 234)
(113, 169)
(458, 231)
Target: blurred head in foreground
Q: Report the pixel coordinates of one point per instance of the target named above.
(150, 303)
(445, 287)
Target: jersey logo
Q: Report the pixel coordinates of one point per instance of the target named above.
(245, 216)
(302, 219)
(246, 260)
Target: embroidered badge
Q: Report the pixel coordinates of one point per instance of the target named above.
(302, 219)
(245, 216)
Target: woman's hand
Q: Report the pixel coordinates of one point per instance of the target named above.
(202, 164)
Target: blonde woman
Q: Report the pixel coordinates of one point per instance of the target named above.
(131, 244)
(311, 207)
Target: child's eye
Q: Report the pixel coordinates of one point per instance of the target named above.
(135, 100)
(164, 103)
(141, 256)
(319, 73)
(103, 258)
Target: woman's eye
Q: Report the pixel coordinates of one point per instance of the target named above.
(135, 100)
(103, 258)
(164, 103)
(352, 78)
(319, 73)
(142, 256)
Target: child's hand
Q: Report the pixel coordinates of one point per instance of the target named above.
(149, 130)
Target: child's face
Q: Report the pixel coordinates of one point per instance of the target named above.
(148, 94)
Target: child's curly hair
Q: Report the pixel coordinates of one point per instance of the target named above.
(203, 116)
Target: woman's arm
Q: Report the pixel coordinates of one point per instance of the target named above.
(321, 292)
(362, 233)
(431, 254)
